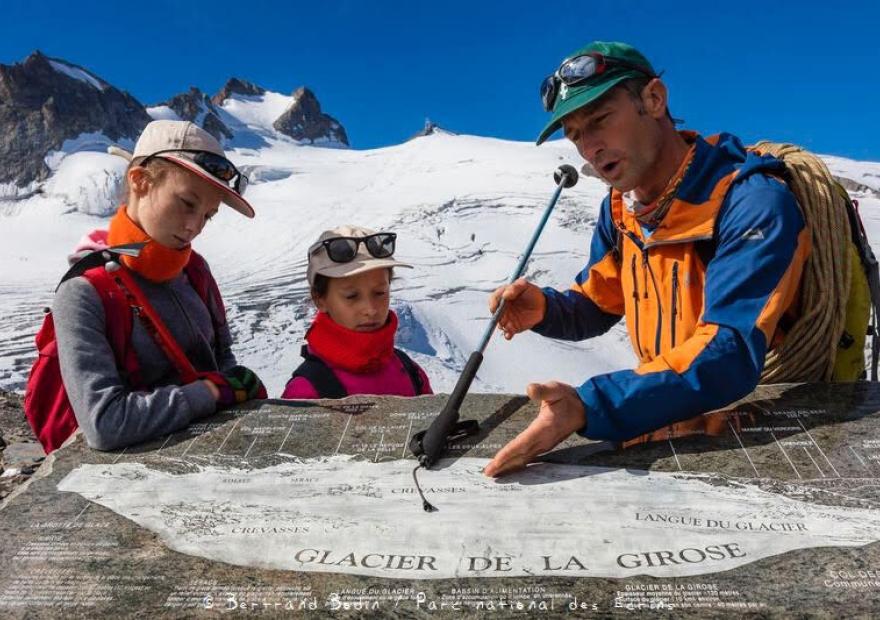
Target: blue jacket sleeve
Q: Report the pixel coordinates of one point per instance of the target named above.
(761, 247)
(595, 302)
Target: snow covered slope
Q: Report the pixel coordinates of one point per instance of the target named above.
(463, 207)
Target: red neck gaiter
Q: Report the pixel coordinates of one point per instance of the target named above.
(350, 350)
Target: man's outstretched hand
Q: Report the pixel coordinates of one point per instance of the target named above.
(561, 414)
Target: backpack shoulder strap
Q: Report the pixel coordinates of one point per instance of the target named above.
(153, 323)
(706, 248)
(117, 323)
(872, 272)
(202, 280)
(319, 375)
(411, 369)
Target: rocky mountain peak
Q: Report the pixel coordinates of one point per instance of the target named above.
(235, 86)
(50, 105)
(45, 101)
(195, 106)
(430, 129)
(303, 120)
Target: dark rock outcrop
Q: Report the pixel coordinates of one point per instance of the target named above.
(235, 86)
(430, 129)
(304, 120)
(195, 106)
(46, 101)
(856, 187)
(42, 105)
(20, 453)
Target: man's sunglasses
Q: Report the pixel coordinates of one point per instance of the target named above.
(344, 249)
(576, 71)
(215, 165)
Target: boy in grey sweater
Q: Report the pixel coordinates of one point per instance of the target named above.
(177, 178)
(109, 413)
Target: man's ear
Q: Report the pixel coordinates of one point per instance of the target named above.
(655, 98)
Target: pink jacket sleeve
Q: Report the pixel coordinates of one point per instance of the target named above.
(300, 387)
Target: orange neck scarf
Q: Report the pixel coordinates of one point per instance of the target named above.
(156, 262)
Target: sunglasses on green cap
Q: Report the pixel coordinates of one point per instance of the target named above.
(580, 69)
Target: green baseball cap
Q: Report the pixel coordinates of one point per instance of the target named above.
(570, 98)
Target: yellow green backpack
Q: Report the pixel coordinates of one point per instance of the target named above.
(840, 285)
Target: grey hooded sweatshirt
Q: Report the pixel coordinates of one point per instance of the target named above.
(109, 413)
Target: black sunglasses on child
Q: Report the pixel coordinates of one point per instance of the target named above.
(345, 249)
(214, 164)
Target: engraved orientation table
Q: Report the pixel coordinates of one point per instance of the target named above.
(283, 509)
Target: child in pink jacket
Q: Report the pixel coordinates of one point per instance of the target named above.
(350, 345)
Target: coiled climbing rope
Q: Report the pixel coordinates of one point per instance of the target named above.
(810, 346)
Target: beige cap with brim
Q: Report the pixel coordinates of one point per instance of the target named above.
(164, 135)
(321, 264)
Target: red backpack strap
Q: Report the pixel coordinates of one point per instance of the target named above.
(202, 280)
(152, 322)
(118, 323)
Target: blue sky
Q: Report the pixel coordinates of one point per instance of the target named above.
(805, 72)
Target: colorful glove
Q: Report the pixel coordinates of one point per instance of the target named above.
(236, 385)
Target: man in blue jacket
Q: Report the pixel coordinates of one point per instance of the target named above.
(699, 246)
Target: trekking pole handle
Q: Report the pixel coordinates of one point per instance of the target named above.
(565, 176)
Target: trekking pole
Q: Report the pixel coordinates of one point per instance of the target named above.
(429, 444)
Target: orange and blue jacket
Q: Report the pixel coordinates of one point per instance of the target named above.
(702, 293)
